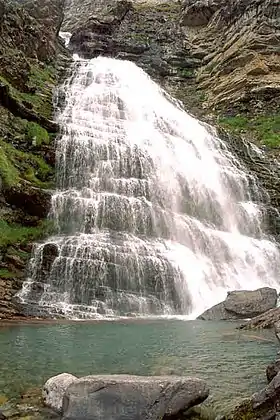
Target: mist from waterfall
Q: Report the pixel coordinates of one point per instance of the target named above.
(155, 215)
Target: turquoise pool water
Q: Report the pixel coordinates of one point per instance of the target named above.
(233, 362)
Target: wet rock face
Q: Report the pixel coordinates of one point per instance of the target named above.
(32, 200)
(147, 33)
(20, 28)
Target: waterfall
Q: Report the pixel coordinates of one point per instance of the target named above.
(154, 214)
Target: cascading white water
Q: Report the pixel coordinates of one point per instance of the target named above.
(154, 212)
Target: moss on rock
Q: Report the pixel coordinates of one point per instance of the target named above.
(16, 165)
(15, 234)
(36, 134)
(8, 173)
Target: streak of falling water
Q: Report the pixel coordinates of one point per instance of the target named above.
(154, 213)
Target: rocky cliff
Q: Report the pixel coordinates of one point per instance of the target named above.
(31, 61)
(219, 57)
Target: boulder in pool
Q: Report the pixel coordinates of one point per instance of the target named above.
(124, 397)
(241, 304)
(54, 390)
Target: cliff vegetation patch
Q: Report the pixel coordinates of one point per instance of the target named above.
(265, 128)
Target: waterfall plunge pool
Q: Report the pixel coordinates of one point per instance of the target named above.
(233, 362)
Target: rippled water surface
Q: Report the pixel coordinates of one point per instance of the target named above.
(232, 362)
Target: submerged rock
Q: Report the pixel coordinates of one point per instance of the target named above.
(242, 304)
(54, 389)
(121, 397)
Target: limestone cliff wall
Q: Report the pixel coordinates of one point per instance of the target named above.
(240, 40)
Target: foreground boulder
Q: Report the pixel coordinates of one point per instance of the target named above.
(54, 389)
(121, 397)
(242, 304)
(263, 405)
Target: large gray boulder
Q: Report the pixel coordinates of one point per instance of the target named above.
(217, 312)
(123, 397)
(242, 304)
(54, 390)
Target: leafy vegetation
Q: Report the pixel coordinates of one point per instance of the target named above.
(265, 129)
